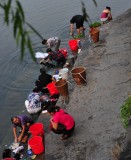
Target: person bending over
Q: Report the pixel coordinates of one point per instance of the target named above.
(52, 42)
(78, 20)
(22, 121)
(43, 79)
(33, 103)
(106, 15)
(56, 56)
(61, 122)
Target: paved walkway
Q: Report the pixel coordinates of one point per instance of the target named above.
(96, 106)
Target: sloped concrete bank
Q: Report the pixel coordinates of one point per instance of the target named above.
(95, 107)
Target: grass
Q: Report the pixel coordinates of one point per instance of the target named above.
(125, 112)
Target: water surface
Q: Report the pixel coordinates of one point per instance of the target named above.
(50, 18)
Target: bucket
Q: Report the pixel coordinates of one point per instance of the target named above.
(71, 60)
(73, 44)
(36, 144)
(62, 87)
(37, 129)
(64, 73)
(94, 32)
(79, 75)
(52, 88)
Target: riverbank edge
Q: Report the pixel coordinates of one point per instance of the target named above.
(84, 144)
(79, 146)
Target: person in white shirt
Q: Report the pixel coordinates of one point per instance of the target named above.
(52, 42)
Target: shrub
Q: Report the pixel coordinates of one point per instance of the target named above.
(95, 24)
(125, 112)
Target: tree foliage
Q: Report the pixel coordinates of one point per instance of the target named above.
(15, 15)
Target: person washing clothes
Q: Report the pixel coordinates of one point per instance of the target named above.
(61, 122)
(57, 56)
(43, 79)
(106, 15)
(22, 121)
(79, 21)
(33, 103)
(52, 42)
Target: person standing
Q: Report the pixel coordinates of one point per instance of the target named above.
(106, 15)
(22, 121)
(61, 122)
(79, 21)
(52, 42)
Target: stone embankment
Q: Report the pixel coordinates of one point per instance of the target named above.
(96, 106)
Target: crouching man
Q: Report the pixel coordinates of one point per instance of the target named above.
(24, 122)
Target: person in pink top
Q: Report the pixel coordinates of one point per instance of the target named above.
(61, 122)
(106, 15)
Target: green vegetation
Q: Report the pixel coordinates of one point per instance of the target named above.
(81, 35)
(95, 24)
(14, 15)
(125, 112)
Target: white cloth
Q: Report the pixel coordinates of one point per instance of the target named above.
(56, 76)
(20, 148)
(104, 19)
(14, 145)
(41, 55)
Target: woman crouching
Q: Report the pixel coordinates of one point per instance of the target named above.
(61, 122)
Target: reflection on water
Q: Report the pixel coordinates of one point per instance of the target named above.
(50, 18)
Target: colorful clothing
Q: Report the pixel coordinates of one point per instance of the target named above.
(34, 100)
(106, 15)
(57, 56)
(23, 121)
(33, 104)
(64, 118)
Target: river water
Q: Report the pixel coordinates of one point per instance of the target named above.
(50, 18)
